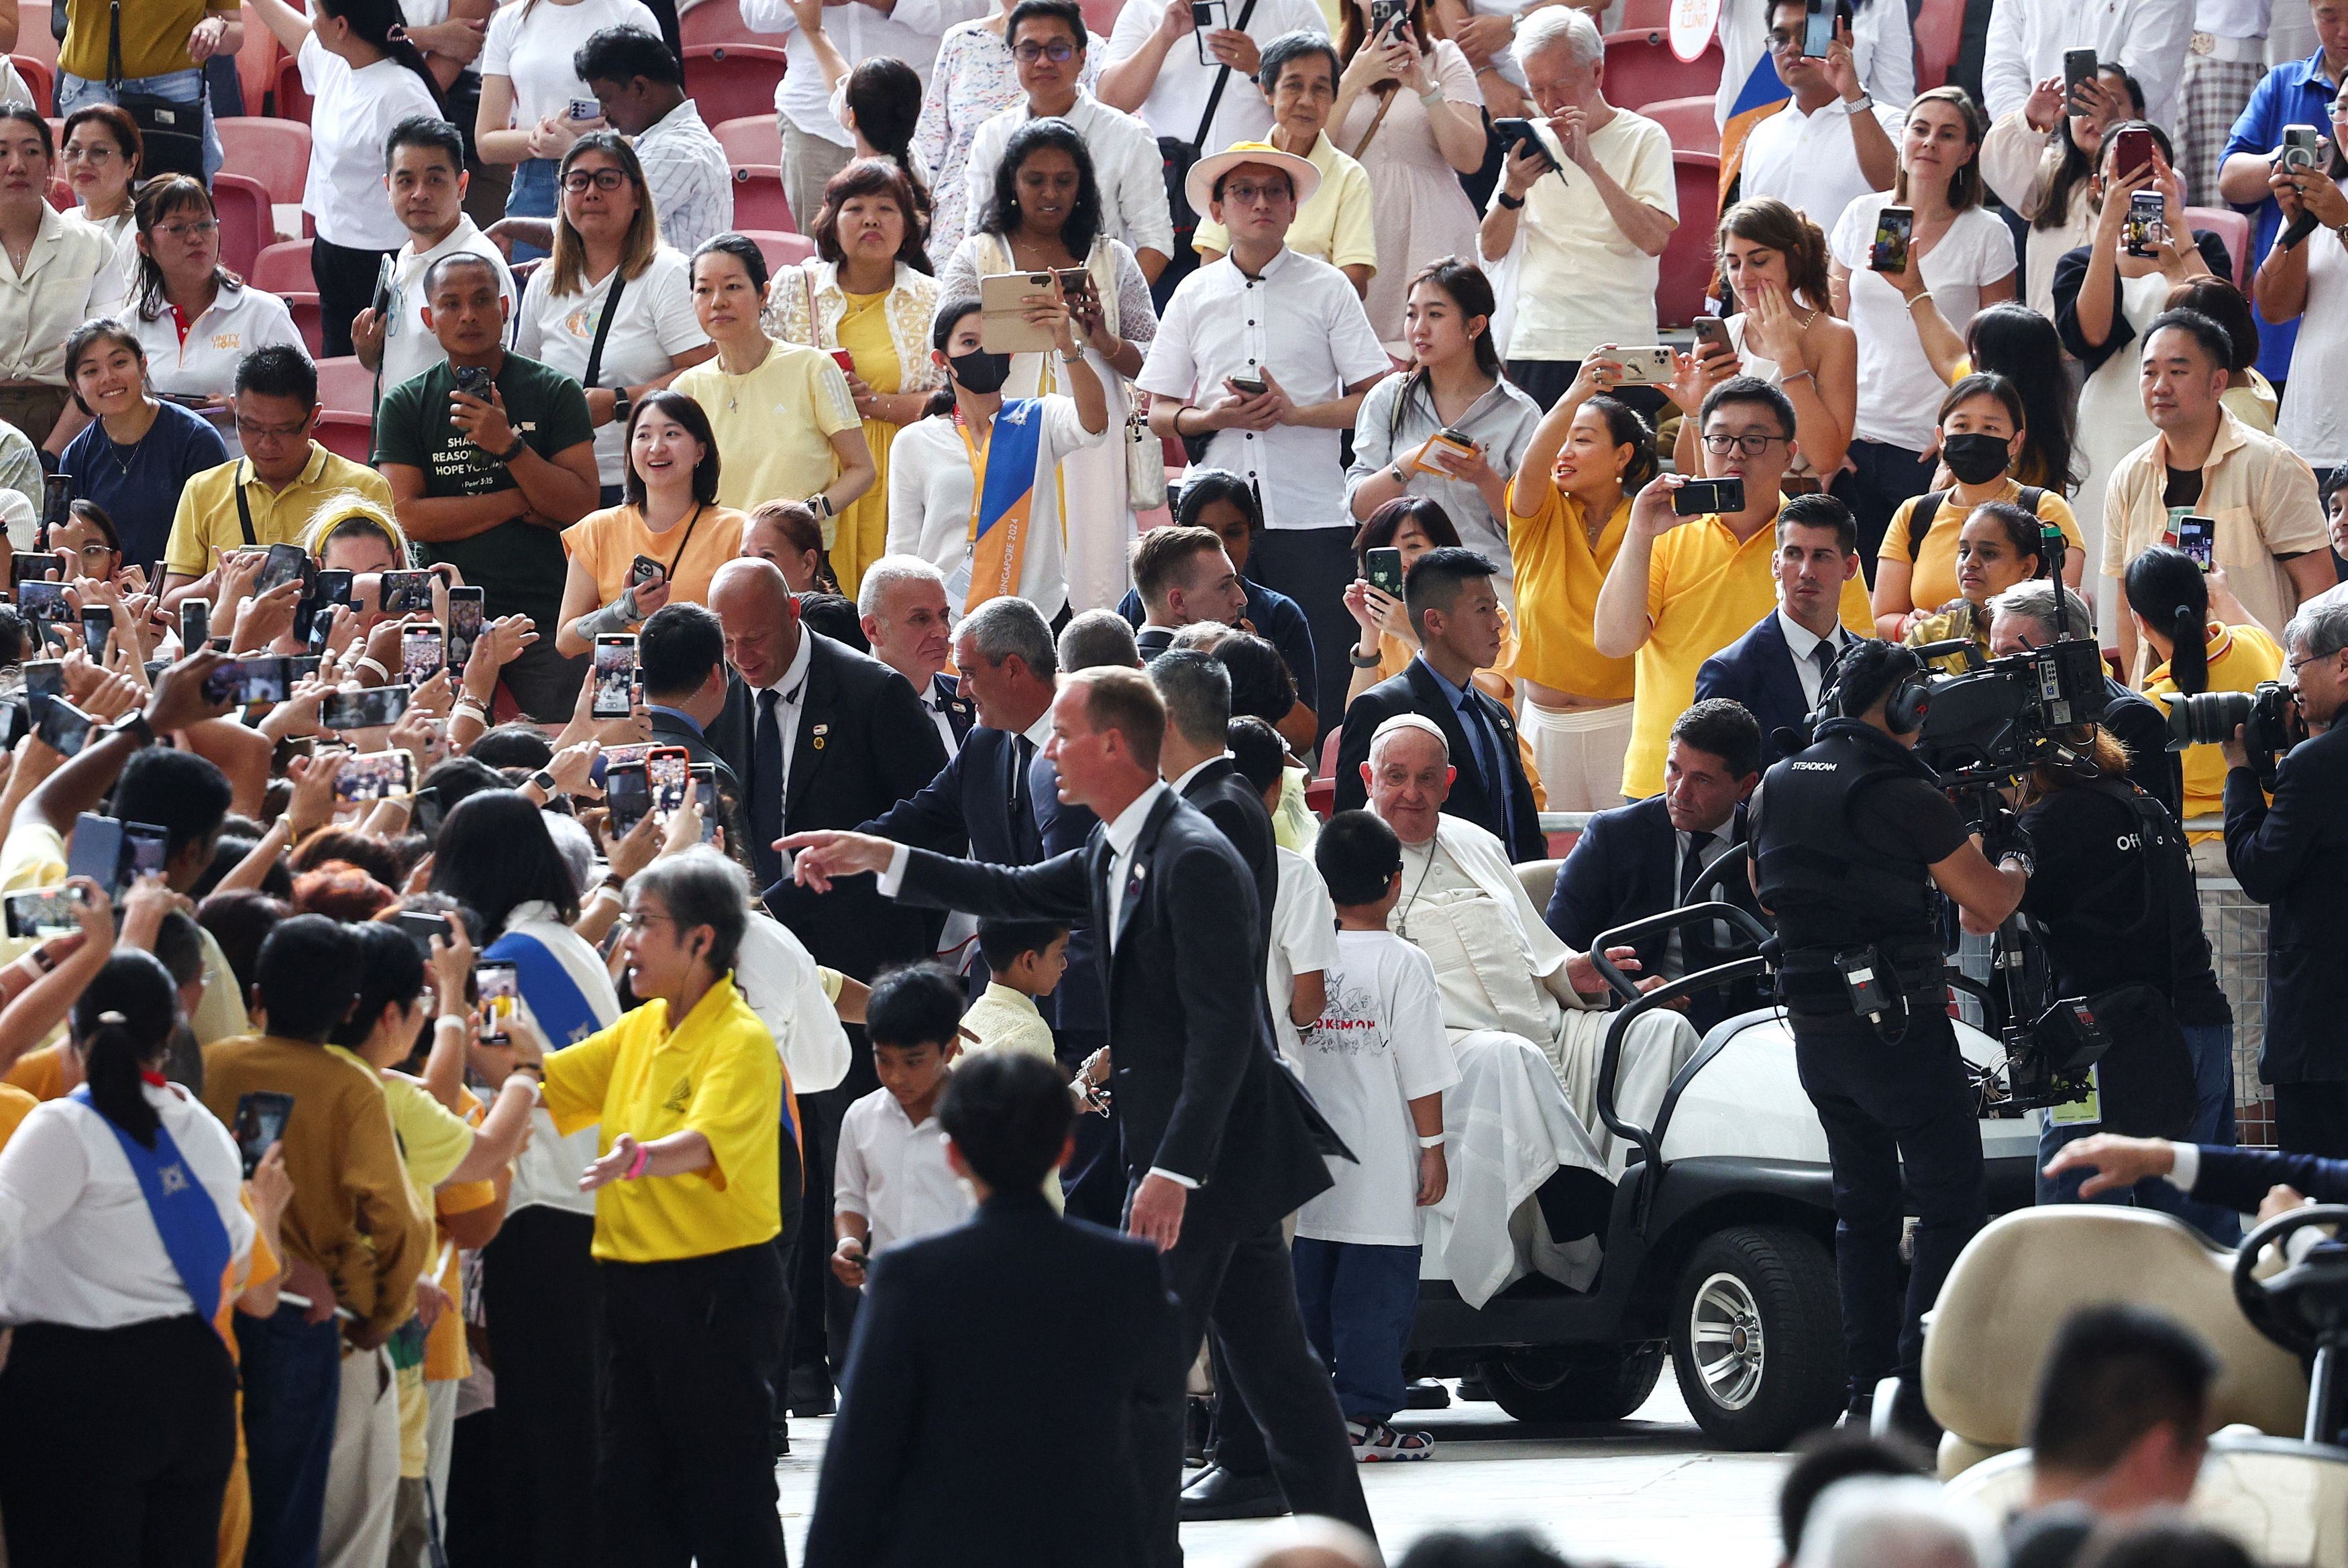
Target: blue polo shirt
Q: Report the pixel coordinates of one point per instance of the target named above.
(2292, 94)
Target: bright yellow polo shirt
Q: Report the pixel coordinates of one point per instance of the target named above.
(2240, 657)
(716, 1075)
(774, 427)
(1934, 582)
(15, 1106)
(1558, 579)
(1705, 589)
(207, 518)
(40, 1073)
(1334, 226)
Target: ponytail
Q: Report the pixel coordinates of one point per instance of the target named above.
(123, 1024)
(885, 94)
(380, 23)
(2166, 588)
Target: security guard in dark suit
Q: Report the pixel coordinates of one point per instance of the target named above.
(1849, 836)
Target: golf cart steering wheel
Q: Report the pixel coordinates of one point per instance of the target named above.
(2305, 1305)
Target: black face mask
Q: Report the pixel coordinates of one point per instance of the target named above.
(979, 371)
(1976, 458)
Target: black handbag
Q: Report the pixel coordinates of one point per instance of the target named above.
(171, 133)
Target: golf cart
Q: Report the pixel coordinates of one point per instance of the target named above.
(1718, 1246)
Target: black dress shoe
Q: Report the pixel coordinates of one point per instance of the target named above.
(1217, 1493)
(1473, 1388)
(808, 1393)
(1426, 1394)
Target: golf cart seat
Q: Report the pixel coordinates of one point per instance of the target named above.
(2016, 1281)
(1540, 879)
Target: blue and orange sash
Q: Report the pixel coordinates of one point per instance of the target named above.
(1763, 95)
(1002, 500)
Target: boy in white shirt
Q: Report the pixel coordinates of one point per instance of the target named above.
(1377, 1063)
(892, 1182)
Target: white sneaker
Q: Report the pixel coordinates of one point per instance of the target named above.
(1374, 1442)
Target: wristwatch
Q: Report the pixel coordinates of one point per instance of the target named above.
(1860, 105)
(512, 452)
(820, 504)
(1509, 201)
(133, 722)
(545, 781)
(621, 403)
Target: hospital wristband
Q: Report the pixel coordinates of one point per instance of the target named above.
(1432, 1141)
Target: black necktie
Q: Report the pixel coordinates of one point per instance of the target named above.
(1693, 866)
(1025, 830)
(766, 770)
(1823, 655)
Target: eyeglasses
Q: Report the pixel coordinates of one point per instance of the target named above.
(1029, 53)
(92, 154)
(201, 228)
(1751, 446)
(2295, 666)
(578, 179)
(1780, 40)
(253, 431)
(96, 552)
(1249, 195)
(636, 920)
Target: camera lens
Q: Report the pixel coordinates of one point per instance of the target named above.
(2206, 718)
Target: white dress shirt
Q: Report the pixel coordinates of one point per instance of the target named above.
(935, 699)
(1809, 161)
(409, 349)
(1722, 840)
(1302, 320)
(1178, 96)
(691, 183)
(1126, 165)
(791, 686)
(2027, 37)
(909, 32)
(1803, 643)
(895, 1173)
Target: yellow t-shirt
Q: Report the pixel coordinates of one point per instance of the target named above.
(154, 37)
(774, 427)
(717, 1074)
(445, 1357)
(1934, 582)
(40, 1073)
(2240, 657)
(1558, 579)
(608, 542)
(15, 1106)
(1705, 589)
(1333, 226)
(207, 518)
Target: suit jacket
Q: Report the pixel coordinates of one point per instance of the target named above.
(1621, 869)
(864, 743)
(960, 714)
(1416, 690)
(1198, 1087)
(1057, 1328)
(1149, 641)
(2292, 856)
(1232, 805)
(1757, 670)
(2239, 1178)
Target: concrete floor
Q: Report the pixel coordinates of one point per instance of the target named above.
(1642, 1492)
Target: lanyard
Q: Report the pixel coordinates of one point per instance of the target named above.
(978, 455)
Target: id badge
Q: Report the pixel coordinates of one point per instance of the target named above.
(2084, 1112)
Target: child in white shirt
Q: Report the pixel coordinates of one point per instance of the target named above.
(892, 1182)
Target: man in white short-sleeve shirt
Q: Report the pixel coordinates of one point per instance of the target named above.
(426, 176)
(1267, 353)
(1589, 234)
(1831, 142)
(1126, 165)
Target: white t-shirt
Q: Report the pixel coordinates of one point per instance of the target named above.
(409, 349)
(531, 42)
(895, 1175)
(1178, 96)
(204, 362)
(1582, 282)
(931, 489)
(654, 324)
(352, 116)
(1900, 391)
(1810, 162)
(2312, 422)
(1378, 1045)
(1303, 942)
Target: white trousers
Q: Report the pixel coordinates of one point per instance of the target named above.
(363, 1473)
(1578, 753)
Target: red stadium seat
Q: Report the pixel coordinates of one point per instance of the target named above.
(713, 22)
(1646, 13)
(781, 248)
(1641, 69)
(289, 100)
(277, 152)
(283, 267)
(33, 34)
(41, 78)
(347, 433)
(346, 386)
(1688, 122)
(2230, 227)
(731, 81)
(1939, 30)
(306, 319)
(753, 138)
(256, 64)
(1687, 259)
(758, 199)
(61, 196)
(247, 222)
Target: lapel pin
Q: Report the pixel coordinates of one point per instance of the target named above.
(821, 731)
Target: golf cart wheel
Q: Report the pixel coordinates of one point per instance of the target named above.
(1555, 1385)
(1756, 1337)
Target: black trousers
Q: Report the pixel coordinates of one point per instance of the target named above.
(1313, 566)
(1547, 380)
(685, 1473)
(346, 287)
(787, 1254)
(115, 1445)
(2311, 1118)
(1879, 479)
(1889, 1109)
(544, 1298)
(821, 1307)
(1092, 1181)
(1235, 1280)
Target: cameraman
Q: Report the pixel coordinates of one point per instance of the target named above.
(2113, 899)
(2292, 856)
(2024, 617)
(1849, 837)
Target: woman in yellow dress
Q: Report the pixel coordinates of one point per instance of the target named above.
(867, 300)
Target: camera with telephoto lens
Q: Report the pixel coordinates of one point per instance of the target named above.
(2000, 719)
(2268, 716)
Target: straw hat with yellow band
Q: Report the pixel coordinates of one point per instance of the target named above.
(1207, 173)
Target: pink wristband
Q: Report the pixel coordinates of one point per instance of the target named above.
(636, 1166)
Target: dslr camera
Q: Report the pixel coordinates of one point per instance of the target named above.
(2268, 716)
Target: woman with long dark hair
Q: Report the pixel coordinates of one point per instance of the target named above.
(1045, 213)
(881, 98)
(2016, 341)
(2201, 639)
(120, 1219)
(540, 1290)
(364, 75)
(2041, 160)
(869, 298)
(1413, 525)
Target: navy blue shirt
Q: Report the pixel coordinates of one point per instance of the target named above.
(2294, 93)
(1276, 620)
(139, 485)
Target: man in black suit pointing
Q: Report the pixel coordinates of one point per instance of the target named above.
(1221, 1143)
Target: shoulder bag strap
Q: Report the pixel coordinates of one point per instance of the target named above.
(1222, 80)
(815, 321)
(1377, 121)
(114, 45)
(244, 508)
(1920, 520)
(603, 327)
(690, 523)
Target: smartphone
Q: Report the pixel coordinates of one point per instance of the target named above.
(668, 776)
(704, 796)
(1819, 30)
(96, 632)
(57, 503)
(145, 849)
(644, 570)
(585, 108)
(1382, 570)
(1894, 227)
(1251, 385)
(1711, 333)
(500, 990)
(2145, 212)
(95, 852)
(242, 683)
(375, 776)
(627, 790)
(2078, 66)
(2300, 144)
(422, 653)
(1388, 16)
(615, 675)
(195, 624)
(43, 911)
(845, 360)
(2197, 536)
(2132, 150)
(406, 592)
(423, 815)
(1697, 497)
(284, 563)
(30, 565)
(260, 1116)
(370, 708)
(466, 615)
(16, 724)
(421, 926)
(1076, 285)
(1516, 134)
(332, 586)
(44, 678)
(475, 380)
(42, 600)
(1207, 16)
(1650, 367)
(380, 302)
(63, 727)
